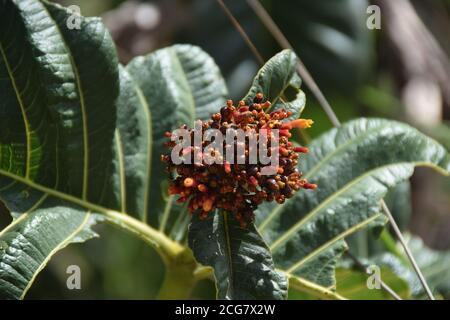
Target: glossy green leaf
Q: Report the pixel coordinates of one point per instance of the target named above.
(278, 81)
(242, 262)
(354, 166)
(57, 128)
(434, 265)
(30, 241)
(81, 137)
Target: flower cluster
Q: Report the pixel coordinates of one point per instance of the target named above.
(240, 188)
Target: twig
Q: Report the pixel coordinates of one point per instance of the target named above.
(407, 251)
(386, 288)
(241, 31)
(310, 82)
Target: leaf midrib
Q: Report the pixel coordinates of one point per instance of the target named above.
(120, 156)
(314, 289)
(148, 115)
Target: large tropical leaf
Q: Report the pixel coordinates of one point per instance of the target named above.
(366, 243)
(57, 129)
(354, 166)
(79, 134)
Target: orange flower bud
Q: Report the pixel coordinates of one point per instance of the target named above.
(207, 205)
(188, 182)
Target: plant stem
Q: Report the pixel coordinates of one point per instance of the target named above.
(180, 275)
(166, 247)
(203, 272)
(178, 283)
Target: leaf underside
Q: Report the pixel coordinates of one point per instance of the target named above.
(354, 166)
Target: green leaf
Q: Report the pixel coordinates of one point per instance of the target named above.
(242, 263)
(354, 166)
(56, 133)
(87, 125)
(179, 84)
(278, 81)
(79, 140)
(434, 265)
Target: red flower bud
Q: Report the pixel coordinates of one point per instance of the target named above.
(301, 149)
(309, 186)
(227, 167)
(252, 180)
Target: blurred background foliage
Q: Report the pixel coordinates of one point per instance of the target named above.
(400, 72)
